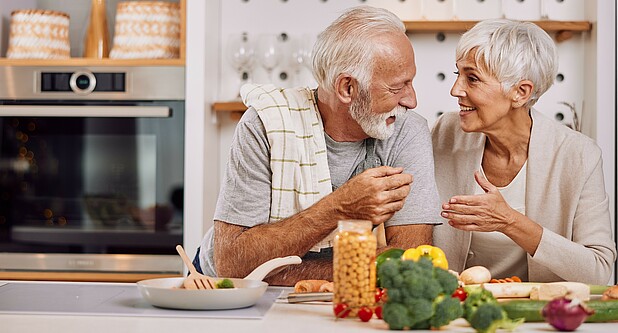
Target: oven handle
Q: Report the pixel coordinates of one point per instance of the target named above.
(83, 111)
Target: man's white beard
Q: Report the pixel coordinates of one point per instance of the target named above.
(373, 124)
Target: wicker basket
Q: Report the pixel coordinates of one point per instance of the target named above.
(146, 30)
(39, 34)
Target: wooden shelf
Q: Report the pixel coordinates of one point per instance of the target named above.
(563, 29)
(92, 62)
(460, 26)
(113, 62)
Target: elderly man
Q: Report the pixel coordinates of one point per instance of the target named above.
(302, 159)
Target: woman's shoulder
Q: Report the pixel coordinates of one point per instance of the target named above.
(563, 136)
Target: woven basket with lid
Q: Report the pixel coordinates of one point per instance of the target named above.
(146, 30)
(39, 34)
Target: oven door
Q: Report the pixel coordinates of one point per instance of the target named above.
(101, 179)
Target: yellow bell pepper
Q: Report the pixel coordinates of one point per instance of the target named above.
(437, 256)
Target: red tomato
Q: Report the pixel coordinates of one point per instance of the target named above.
(341, 310)
(380, 295)
(460, 293)
(365, 313)
(378, 311)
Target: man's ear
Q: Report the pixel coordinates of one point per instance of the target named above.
(345, 88)
(523, 92)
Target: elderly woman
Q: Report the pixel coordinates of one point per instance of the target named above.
(523, 195)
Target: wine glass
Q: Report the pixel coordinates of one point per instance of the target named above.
(241, 55)
(308, 41)
(269, 53)
(297, 58)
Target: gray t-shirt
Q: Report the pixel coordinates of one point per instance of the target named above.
(244, 198)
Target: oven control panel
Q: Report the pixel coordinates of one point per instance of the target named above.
(82, 82)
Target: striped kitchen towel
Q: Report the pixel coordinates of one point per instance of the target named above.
(295, 132)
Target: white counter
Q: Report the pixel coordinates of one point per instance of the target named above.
(282, 317)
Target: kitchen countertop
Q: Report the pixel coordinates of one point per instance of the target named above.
(282, 317)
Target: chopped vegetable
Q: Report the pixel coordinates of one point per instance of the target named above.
(224, 284)
(418, 294)
(565, 314)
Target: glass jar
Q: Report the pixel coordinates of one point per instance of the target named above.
(354, 269)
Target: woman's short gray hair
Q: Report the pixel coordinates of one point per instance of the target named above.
(349, 44)
(512, 51)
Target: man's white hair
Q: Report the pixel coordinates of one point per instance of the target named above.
(512, 51)
(350, 43)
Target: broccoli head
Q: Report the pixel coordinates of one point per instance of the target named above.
(487, 318)
(418, 294)
(447, 280)
(396, 315)
(485, 314)
(419, 309)
(475, 298)
(446, 310)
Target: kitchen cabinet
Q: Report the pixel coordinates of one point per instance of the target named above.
(83, 10)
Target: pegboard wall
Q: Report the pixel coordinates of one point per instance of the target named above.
(296, 23)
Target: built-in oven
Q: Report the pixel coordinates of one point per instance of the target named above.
(91, 168)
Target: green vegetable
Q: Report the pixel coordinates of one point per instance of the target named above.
(485, 314)
(384, 256)
(224, 284)
(418, 294)
(531, 310)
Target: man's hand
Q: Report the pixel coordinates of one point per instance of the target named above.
(375, 195)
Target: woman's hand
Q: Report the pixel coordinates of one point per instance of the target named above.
(481, 212)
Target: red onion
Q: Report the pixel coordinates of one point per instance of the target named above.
(565, 314)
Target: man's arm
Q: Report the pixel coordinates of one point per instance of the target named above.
(410, 235)
(374, 195)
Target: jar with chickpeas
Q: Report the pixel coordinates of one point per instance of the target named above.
(354, 269)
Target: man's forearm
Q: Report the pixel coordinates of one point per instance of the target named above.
(239, 250)
(310, 269)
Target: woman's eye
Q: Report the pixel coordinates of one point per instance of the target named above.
(456, 73)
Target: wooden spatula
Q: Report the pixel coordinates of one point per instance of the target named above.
(195, 280)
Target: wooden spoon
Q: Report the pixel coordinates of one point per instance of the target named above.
(195, 280)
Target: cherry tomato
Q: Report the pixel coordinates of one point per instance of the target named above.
(365, 313)
(460, 293)
(380, 295)
(378, 312)
(341, 310)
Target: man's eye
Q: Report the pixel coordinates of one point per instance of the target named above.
(456, 72)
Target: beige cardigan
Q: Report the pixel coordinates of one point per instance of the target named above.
(565, 194)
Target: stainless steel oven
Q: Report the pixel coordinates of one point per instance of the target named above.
(91, 168)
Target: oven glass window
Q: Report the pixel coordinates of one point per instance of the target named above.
(92, 184)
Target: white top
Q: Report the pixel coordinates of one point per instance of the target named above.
(501, 255)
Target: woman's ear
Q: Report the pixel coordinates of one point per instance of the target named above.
(345, 88)
(523, 92)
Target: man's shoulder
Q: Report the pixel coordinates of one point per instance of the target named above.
(412, 119)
